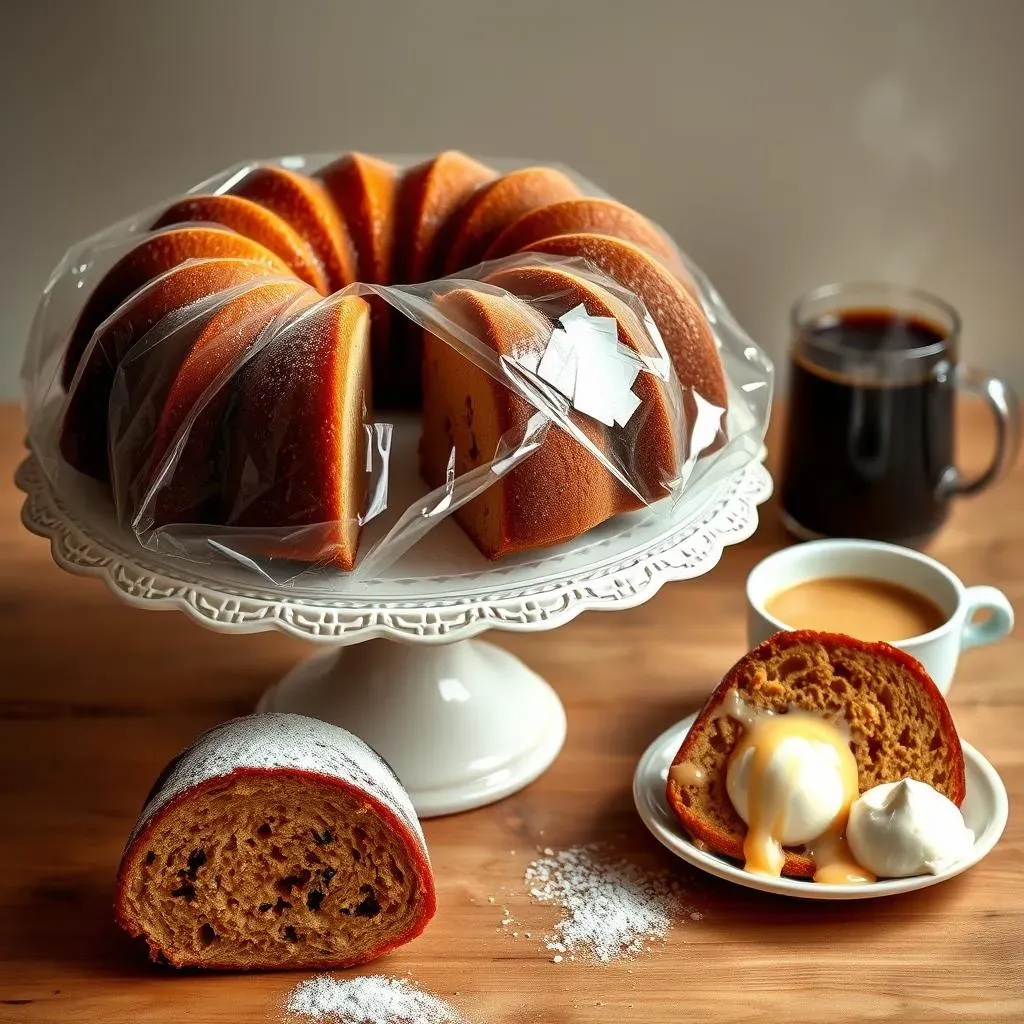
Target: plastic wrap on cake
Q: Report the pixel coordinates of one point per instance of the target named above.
(223, 407)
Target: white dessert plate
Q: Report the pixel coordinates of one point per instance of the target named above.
(984, 809)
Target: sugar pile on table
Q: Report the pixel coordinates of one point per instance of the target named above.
(373, 999)
(612, 907)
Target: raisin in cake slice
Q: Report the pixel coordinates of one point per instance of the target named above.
(898, 722)
(275, 841)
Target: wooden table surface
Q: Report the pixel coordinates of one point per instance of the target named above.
(98, 695)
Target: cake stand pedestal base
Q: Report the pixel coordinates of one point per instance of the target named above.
(463, 724)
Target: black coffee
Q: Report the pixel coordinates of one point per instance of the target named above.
(870, 436)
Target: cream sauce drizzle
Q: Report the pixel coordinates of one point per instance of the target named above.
(834, 863)
(686, 773)
(735, 707)
(764, 731)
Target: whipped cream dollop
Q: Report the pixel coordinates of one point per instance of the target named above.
(906, 828)
(795, 793)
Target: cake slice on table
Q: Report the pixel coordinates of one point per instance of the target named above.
(795, 734)
(274, 842)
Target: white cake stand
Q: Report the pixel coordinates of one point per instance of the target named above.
(462, 722)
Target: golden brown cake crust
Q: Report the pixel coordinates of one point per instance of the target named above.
(304, 204)
(154, 255)
(83, 439)
(193, 480)
(254, 221)
(900, 726)
(584, 215)
(404, 228)
(363, 190)
(493, 208)
(514, 513)
(428, 195)
(298, 428)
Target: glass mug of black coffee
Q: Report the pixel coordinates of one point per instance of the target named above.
(868, 450)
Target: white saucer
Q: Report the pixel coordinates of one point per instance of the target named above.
(984, 808)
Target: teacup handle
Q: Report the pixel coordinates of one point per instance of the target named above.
(1005, 408)
(995, 627)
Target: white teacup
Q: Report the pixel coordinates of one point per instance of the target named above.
(937, 650)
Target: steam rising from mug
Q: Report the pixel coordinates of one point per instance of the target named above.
(912, 150)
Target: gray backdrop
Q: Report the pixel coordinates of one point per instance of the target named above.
(783, 143)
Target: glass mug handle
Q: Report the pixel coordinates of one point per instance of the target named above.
(1006, 411)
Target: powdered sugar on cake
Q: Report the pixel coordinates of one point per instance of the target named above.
(283, 741)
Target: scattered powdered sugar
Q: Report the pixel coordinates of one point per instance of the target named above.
(373, 999)
(612, 907)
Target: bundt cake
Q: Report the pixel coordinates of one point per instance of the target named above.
(220, 305)
(493, 207)
(254, 221)
(304, 203)
(273, 842)
(882, 702)
(83, 436)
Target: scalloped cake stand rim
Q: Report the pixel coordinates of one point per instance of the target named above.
(681, 552)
